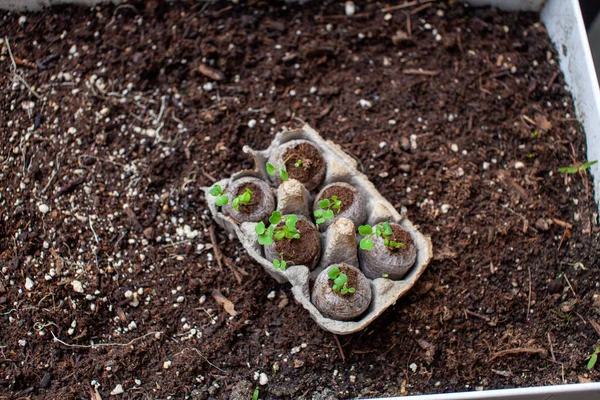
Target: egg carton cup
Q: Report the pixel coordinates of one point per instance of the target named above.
(339, 243)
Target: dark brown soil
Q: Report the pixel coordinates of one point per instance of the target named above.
(313, 165)
(255, 198)
(343, 194)
(301, 251)
(400, 236)
(515, 252)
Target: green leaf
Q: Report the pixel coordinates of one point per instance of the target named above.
(351, 290)
(568, 170)
(275, 217)
(276, 263)
(296, 236)
(290, 221)
(592, 361)
(283, 265)
(335, 288)
(334, 199)
(384, 275)
(535, 133)
(216, 190)
(387, 228)
(318, 213)
(378, 230)
(396, 244)
(344, 290)
(289, 234)
(328, 214)
(221, 200)
(324, 203)
(298, 164)
(279, 235)
(255, 394)
(341, 279)
(333, 272)
(260, 228)
(236, 204)
(366, 244)
(265, 240)
(319, 221)
(365, 230)
(587, 165)
(270, 169)
(386, 241)
(284, 175)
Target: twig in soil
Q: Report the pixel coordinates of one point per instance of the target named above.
(225, 302)
(572, 290)
(529, 296)
(201, 356)
(540, 351)
(414, 71)
(14, 69)
(551, 347)
(421, 8)
(209, 176)
(95, 346)
(354, 16)
(406, 5)
(216, 250)
(133, 218)
(595, 325)
(477, 315)
(339, 345)
(93, 231)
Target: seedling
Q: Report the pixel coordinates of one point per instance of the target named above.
(384, 230)
(255, 394)
(280, 264)
(573, 169)
(535, 133)
(593, 358)
(340, 281)
(272, 169)
(221, 198)
(288, 230)
(243, 198)
(298, 163)
(384, 275)
(325, 212)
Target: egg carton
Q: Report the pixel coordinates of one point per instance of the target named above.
(339, 242)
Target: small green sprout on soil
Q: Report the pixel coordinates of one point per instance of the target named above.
(243, 198)
(593, 358)
(573, 169)
(288, 230)
(384, 230)
(280, 264)
(221, 198)
(325, 212)
(535, 133)
(340, 281)
(255, 394)
(384, 275)
(272, 169)
(298, 163)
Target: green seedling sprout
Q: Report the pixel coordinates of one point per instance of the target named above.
(340, 281)
(288, 230)
(384, 230)
(573, 169)
(325, 212)
(298, 163)
(243, 198)
(593, 358)
(272, 169)
(255, 394)
(221, 198)
(280, 264)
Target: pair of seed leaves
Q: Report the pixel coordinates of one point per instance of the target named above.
(288, 230)
(325, 212)
(384, 230)
(222, 199)
(340, 281)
